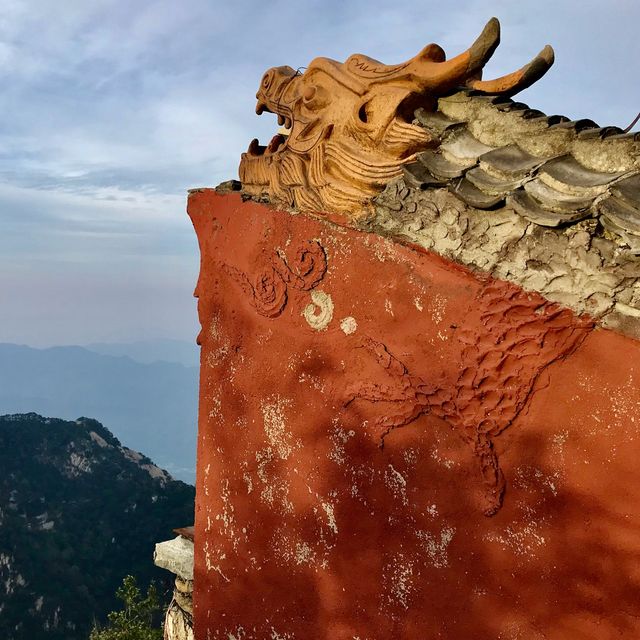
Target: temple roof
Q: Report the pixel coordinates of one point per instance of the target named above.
(428, 152)
(493, 152)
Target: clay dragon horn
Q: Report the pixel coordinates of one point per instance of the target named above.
(458, 70)
(518, 80)
(466, 68)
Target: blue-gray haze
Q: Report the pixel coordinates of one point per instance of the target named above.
(112, 109)
(151, 408)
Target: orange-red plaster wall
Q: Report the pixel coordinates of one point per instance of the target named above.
(392, 447)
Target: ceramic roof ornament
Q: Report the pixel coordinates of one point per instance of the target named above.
(428, 152)
(351, 125)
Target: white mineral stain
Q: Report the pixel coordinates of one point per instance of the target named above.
(397, 483)
(524, 536)
(276, 635)
(248, 481)
(210, 564)
(445, 462)
(227, 516)
(304, 553)
(613, 416)
(436, 550)
(418, 304)
(398, 576)
(383, 248)
(438, 307)
(388, 307)
(410, 457)
(214, 327)
(216, 354)
(216, 406)
(314, 381)
(432, 510)
(292, 551)
(339, 438)
(319, 313)
(536, 481)
(559, 440)
(331, 518)
(275, 490)
(264, 338)
(522, 539)
(275, 426)
(349, 325)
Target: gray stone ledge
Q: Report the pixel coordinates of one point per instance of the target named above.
(176, 556)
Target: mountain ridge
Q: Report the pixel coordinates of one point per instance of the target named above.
(151, 407)
(78, 512)
(150, 351)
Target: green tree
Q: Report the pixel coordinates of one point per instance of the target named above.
(136, 620)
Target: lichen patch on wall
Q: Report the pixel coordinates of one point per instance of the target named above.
(348, 325)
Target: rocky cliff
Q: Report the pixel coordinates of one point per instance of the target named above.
(78, 512)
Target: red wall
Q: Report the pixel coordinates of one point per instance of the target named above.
(443, 456)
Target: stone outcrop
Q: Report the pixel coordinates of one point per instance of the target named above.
(177, 556)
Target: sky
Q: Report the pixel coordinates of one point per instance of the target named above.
(111, 110)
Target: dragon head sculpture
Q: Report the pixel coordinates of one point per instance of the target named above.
(350, 125)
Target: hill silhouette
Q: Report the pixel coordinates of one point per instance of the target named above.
(151, 407)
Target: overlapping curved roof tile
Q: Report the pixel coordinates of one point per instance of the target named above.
(552, 171)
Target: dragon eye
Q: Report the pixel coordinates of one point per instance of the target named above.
(266, 79)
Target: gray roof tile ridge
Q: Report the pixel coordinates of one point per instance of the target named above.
(494, 152)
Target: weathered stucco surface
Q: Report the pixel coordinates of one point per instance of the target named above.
(391, 446)
(572, 265)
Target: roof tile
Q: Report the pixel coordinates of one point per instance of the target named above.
(474, 197)
(439, 166)
(464, 149)
(528, 208)
(416, 175)
(554, 200)
(493, 185)
(566, 174)
(510, 162)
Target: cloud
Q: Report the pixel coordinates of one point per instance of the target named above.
(112, 110)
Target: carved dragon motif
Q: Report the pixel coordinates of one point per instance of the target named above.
(522, 335)
(350, 125)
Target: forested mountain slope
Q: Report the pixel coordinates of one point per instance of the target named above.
(151, 407)
(78, 512)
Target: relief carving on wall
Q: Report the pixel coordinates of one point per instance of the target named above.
(268, 287)
(510, 338)
(351, 124)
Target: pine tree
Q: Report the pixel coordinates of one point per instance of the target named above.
(136, 620)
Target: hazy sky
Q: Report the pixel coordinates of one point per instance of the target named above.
(112, 109)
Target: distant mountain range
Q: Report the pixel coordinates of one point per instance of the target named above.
(151, 407)
(150, 351)
(78, 512)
